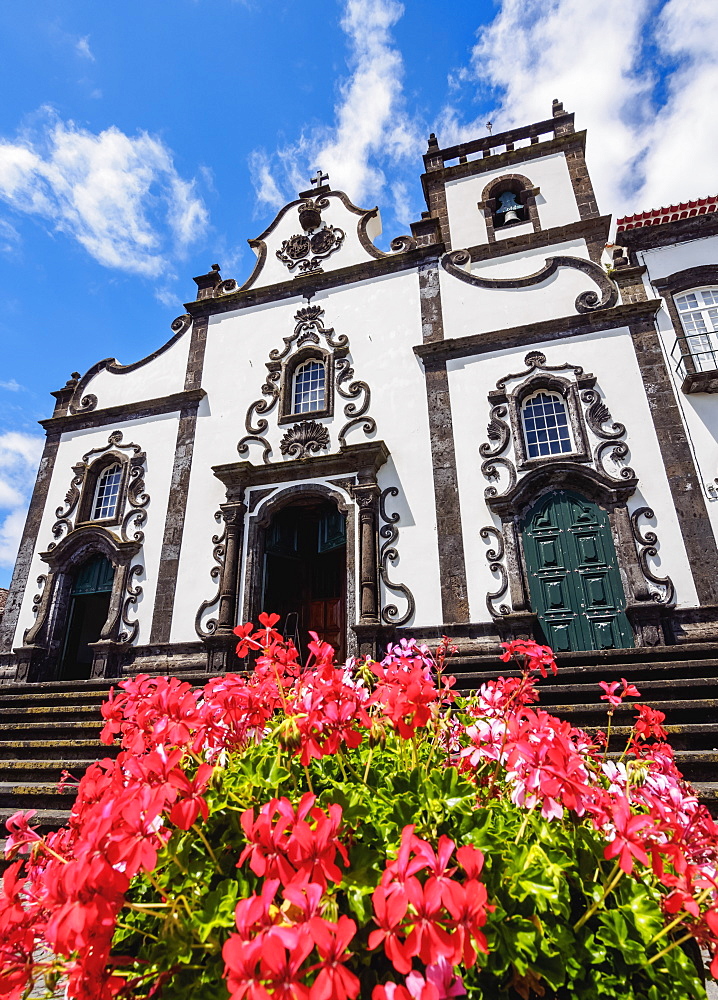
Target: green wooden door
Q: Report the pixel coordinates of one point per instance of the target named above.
(575, 585)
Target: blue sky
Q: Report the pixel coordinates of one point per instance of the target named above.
(142, 141)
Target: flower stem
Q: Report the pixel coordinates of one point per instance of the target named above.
(670, 947)
(213, 856)
(614, 878)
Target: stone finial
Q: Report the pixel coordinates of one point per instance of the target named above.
(557, 107)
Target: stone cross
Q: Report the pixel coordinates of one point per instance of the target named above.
(319, 179)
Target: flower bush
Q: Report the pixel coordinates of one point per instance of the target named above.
(326, 832)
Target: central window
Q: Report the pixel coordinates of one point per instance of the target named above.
(107, 493)
(545, 424)
(309, 391)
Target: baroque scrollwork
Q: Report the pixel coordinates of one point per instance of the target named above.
(309, 330)
(304, 439)
(490, 471)
(306, 251)
(616, 451)
(129, 634)
(389, 554)
(37, 599)
(455, 263)
(495, 558)
(598, 415)
(135, 495)
(218, 553)
(646, 542)
(498, 433)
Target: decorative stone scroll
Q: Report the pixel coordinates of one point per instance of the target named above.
(646, 542)
(215, 573)
(132, 494)
(495, 558)
(309, 334)
(455, 262)
(388, 553)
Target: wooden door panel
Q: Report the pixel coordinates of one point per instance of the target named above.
(573, 575)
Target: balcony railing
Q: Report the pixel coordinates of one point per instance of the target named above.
(696, 362)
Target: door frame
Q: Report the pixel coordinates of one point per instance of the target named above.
(615, 583)
(646, 607)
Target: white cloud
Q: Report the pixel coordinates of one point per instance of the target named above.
(9, 237)
(11, 385)
(19, 458)
(644, 149)
(119, 196)
(82, 47)
(372, 131)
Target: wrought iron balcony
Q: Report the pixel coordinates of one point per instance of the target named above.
(696, 362)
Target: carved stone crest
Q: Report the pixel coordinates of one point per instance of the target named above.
(304, 439)
(305, 251)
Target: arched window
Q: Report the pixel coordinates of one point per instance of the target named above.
(107, 493)
(309, 392)
(545, 423)
(698, 311)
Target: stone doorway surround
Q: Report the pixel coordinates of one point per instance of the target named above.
(354, 468)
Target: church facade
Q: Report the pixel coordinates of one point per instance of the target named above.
(501, 427)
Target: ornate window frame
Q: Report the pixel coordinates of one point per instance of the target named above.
(287, 414)
(569, 392)
(91, 480)
(526, 193)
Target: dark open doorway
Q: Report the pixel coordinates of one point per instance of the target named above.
(305, 572)
(89, 607)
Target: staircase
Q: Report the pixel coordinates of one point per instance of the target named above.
(50, 727)
(681, 681)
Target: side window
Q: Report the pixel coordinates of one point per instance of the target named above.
(309, 390)
(545, 425)
(107, 493)
(698, 311)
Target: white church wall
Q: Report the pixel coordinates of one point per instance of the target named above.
(611, 358)
(162, 376)
(662, 261)
(156, 436)
(382, 320)
(556, 204)
(471, 310)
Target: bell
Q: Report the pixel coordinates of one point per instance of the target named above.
(509, 209)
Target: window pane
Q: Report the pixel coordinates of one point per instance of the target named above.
(309, 387)
(546, 425)
(107, 493)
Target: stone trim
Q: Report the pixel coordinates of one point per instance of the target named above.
(589, 301)
(432, 317)
(593, 231)
(174, 526)
(681, 472)
(21, 573)
(580, 179)
(450, 539)
(79, 403)
(668, 233)
(305, 286)
(125, 411)
(543, 332)
(195, 358)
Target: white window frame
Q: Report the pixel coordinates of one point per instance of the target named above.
(102, 510)
(698, 312)
(317, 387)
(529, 447)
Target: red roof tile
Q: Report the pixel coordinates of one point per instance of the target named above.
(657, 216)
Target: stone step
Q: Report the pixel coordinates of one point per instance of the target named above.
(12, 750)
(44, 819)
(676, 712)
(636, 654)
(198, 678)
(690, 736)
(478, 673)
(34, 795)
(43, 770)
(549, 689)
(70, 714)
